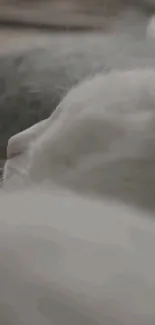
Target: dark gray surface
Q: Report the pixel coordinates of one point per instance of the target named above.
(34, 79)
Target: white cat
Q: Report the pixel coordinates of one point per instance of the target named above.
(65, 260)
(101, 139)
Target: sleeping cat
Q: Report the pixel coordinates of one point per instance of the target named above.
(100, 140)
(66, 260)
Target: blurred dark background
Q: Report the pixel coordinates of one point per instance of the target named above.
(47, 46)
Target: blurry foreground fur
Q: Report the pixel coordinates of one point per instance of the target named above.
(69, 261)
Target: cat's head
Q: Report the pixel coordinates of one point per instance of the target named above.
(101, 141)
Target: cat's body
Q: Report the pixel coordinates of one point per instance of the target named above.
(99, 140)
(69, 261)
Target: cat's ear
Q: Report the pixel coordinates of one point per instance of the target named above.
(20, 142)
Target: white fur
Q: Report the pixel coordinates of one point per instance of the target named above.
(65, 260)
(17, 147)
(100, 139)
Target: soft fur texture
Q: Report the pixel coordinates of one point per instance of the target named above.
(99, 140)
(69, 261)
